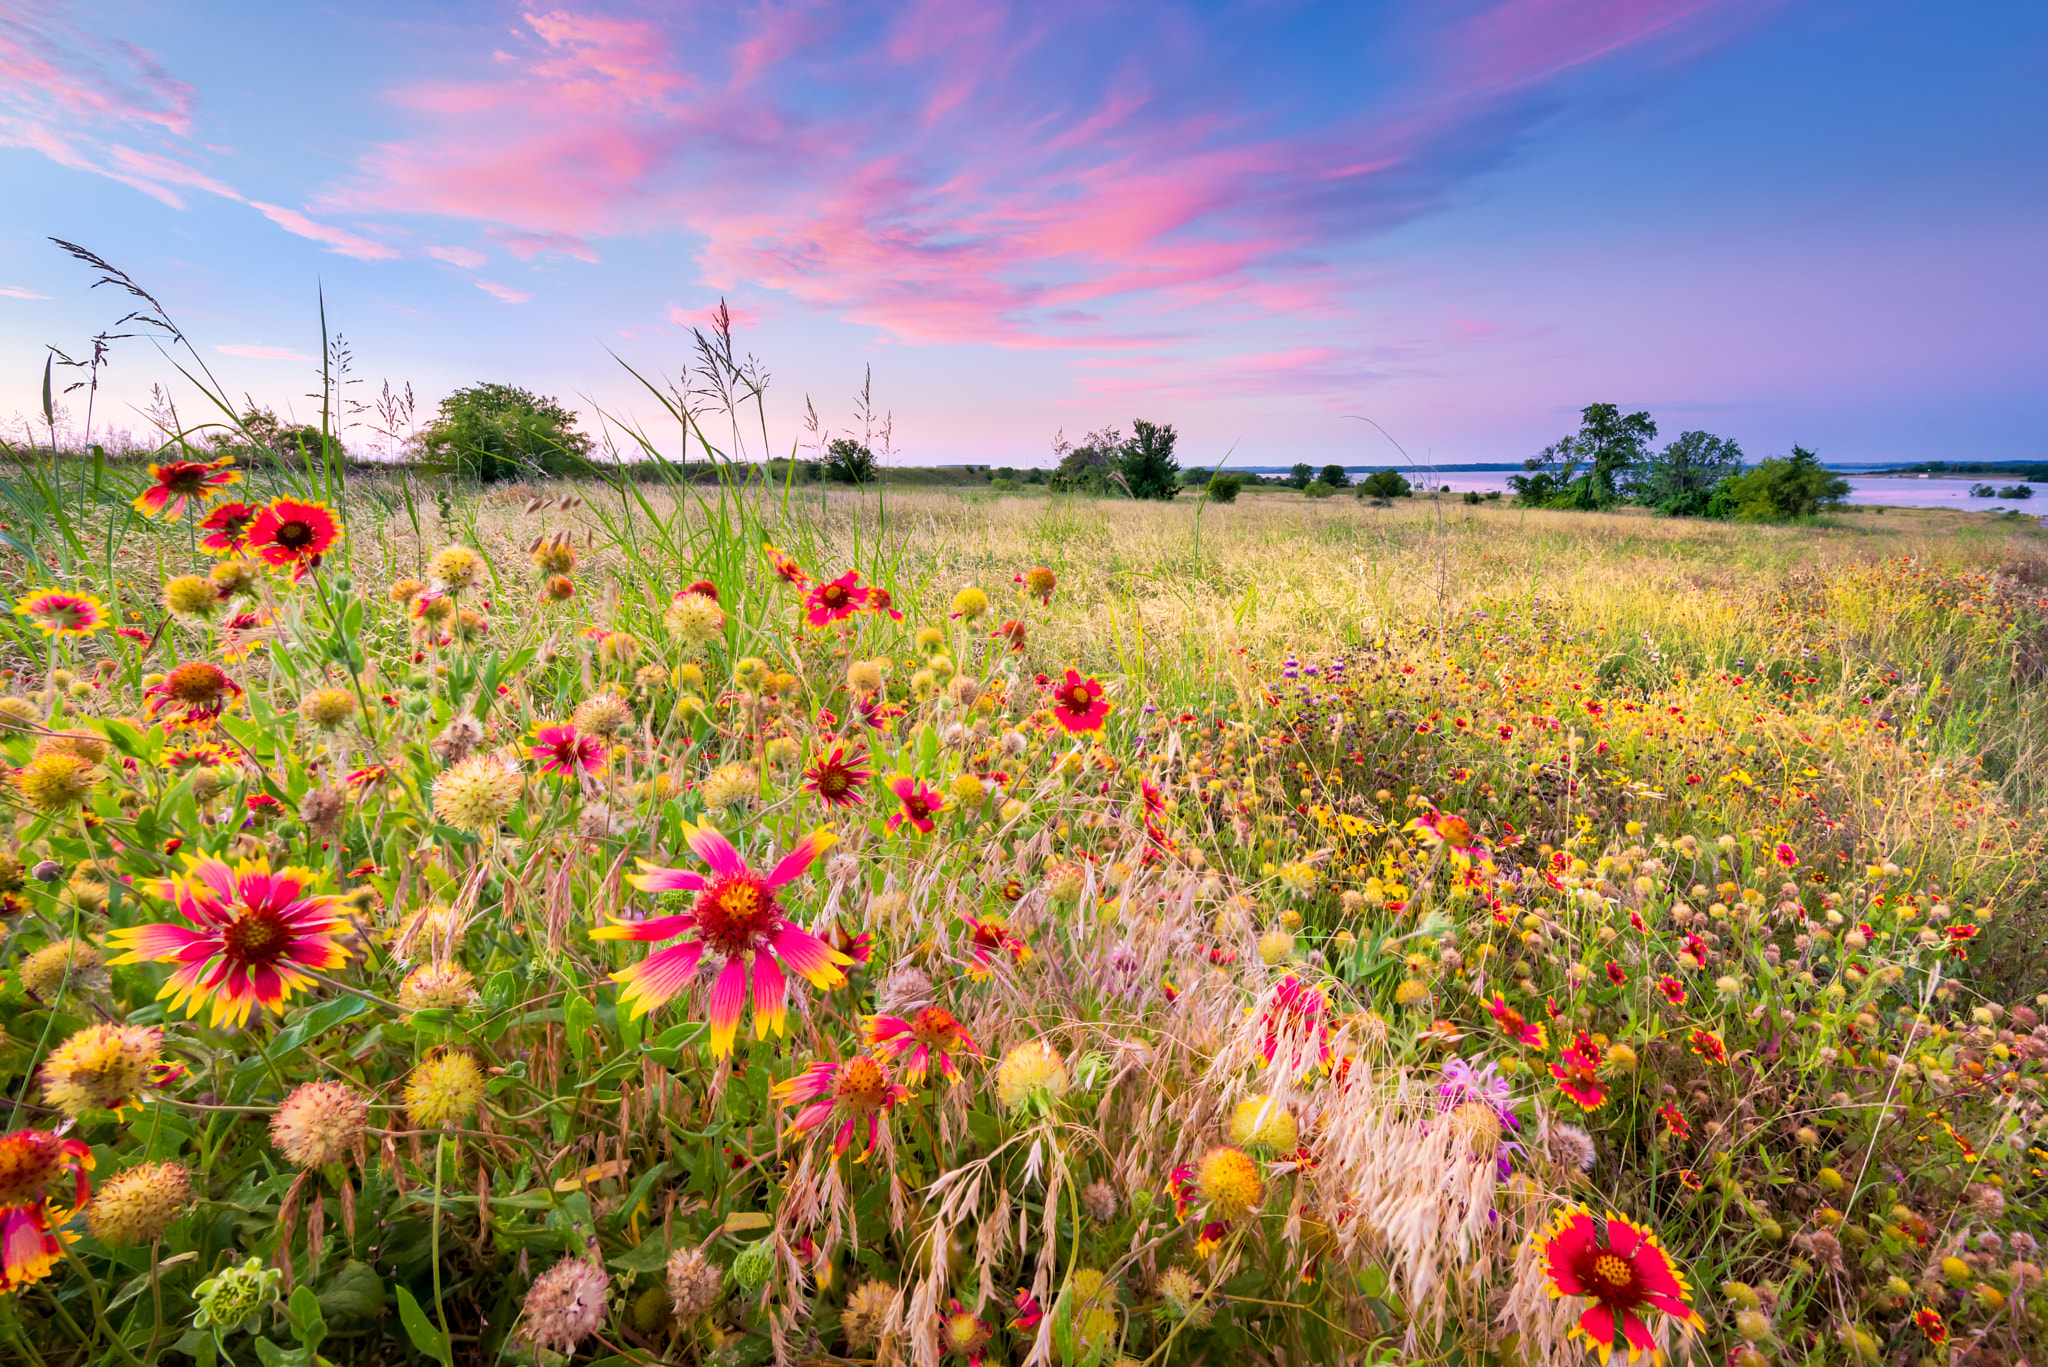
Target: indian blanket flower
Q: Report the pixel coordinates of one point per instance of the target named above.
(1512, 1024)
(1675, 1123)
(1708, 1046)
(1931, 1325)
(227, 528)
(1616, 974)
(963, 1334)
(292, 534)
(191, 697)
(1227, 1181)
(1577, 1074)
(1784, 855)
(1959, 938)
(179, 482)
(57, 612)
(1079, 704)
(989, 937)
(785, 566)
(31, 1163)
(920, 804)
(928, 1036)
(1453, 833)
(1672, 988)
(835, 600)
(1624, 1271)
(1039, 582)
(855, 1091)
(104, 1067)
(253, 935)
(562, 749)
(737, 918)
(837, 776)
(1011, 634)
(1292, 1023)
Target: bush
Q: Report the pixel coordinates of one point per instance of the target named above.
(1223, 488)
(1779, 490)
(1146, 461)
(1472, 496)
(492, 432)
(1002, 485)
(1385, 484)
(1319, 490)
(849, 462)
(1334, 476)
(1302, 475)
(2017, 491)
(1983, 491)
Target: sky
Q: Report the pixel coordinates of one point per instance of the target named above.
(1810, 221)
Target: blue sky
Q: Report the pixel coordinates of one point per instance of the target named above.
(1810, 222)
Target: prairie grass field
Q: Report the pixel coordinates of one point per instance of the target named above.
(661, 922)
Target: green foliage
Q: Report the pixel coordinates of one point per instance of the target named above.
(849, 462)
(1147, 463)
(1385, 485)
(1335, 477)
(1680, 480)
(1224, 488)
(1319, 490)
(1085, 469)
(1592, 468)
(1780, 489)
(1301, 474)
(492, 432)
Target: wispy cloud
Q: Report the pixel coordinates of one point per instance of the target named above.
(337, 239)
(17, 292)
(261, 353)
(503, 292)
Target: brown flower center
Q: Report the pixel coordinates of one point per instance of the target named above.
(295, 535)
(1612, 1274)
(862, 1084)
(254, 938)
(734, 913)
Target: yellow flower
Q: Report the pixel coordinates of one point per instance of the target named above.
(1032, 1070)
(1262, 1122)
(1228, 1181)
(101, 1068)
(443, 1090)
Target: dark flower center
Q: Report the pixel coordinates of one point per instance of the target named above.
(1612, 1279)
(834, 781)
(861, 1084)
(294, 535)
(916, 808)
(254, 938)
(735, 912)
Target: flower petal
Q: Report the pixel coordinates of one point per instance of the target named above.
(659, 976)
(709, 845)
(808, 957)
(722, 1011)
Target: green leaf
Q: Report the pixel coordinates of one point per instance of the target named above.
(355, 1292)
(424, 1335)
(309, 1326)
(648, 1256)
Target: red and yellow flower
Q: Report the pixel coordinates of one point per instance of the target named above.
(1708, 1046)
(250, 932)
(288, 533)
(179, 482)
(835, 600)
(227, 528)
(930, 1035)
(32, 1162)
(988, 938)
(1930, 1323)
(191, 697)
(1626, 1274)
(1080, 704)
(853, 1090)
(1514, 1025)
(564, 750)
(785, 566)
(837, 776)
(59, 612)
(1578, 1074)
(921, 803)
(736, 917)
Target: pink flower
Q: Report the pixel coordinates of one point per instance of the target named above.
(835, 600)
(920, 802)
(1784, 855)
(929, 1034)
(563, 750)
(856, 1090)
(737, 918)
(1294, 1020)
(1080, 704)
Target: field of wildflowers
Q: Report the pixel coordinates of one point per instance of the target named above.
(642, 924)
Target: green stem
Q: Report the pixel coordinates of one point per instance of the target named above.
(99, 1306)
(440, 1312)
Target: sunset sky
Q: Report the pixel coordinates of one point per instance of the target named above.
(1818, 221)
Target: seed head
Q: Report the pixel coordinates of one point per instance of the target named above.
(729, 785)
(190, 595)
(1262, 1122)
(101, 1068)
(1228, 1180)
(455, 568)
(478, 793)
(693, 619)
(234, 575)
(1098, 1198)
(443, 1090)
(44, 973)
(321, 809)
(694, 1283)
(565, 1305)
(1032, 1071)
(320, 1123)
(437, 986)
(137, 1206)
(328, 708)
(51, 782)
(867, 1313)
(602, 714)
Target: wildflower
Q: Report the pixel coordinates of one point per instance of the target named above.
(1039, 581)
(1080, 704)
(251, 933)
(328, 708)
(989, 937)
(103, 1067)
(694, 1284)
(191, 697)
(694, 619)
(67, 963)
(921, 803)
(1672, 988)
(55, 612)
(604, 714)
(137, 1206)
(1011, 634)
(1275, 946)
(1708, 1046)
(553, 555)
(1577, 1077)
(837, 776)
(1930, 1323)
(290, 533)
(963, 1334)
(1029, 1312)
(729, 785)
(883, 603)
(320, 1123)
(1292, 1019)
(1262, 1122)
(1624, 1271)
(1512, 1024)
(1065, 883)
(445, 1088)
(785, 566)
(565, 1305)
(562, 750)
(1453, 833)
(857, 1089)
(928, 1035)
(1616, 974)
(1959, 938)
(1675, 1123)
(180, 482)
(835, 600)
(1182, 1293)
(31, 1163)
(970, 603)
(1784, 855)
(1228, 1182)
(227, 528)
(477, 793)
(437, 987)
(455, 568)
(189, 596)
(736, 917)
(53, 781)
(1033, 1074)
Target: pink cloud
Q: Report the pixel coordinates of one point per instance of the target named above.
(337, 239)
(458, 256)
(504, 293)
(17, 292)
(262, 353)
(702, 317)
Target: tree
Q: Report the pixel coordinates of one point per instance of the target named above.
(498, 431)
(1334, 476)
(1607, 445)
(1680, 480)
(1780, 489)
(1301, 474)
(1383, 486)
(849, 461)
(1085, 468)
(1146, 461)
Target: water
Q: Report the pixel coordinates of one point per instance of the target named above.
(1865, 490)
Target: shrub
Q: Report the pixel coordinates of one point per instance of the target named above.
(1319, 490)
(1334, 476)
(1223, 488)
(1385, 484)
(1146, 461)
(493, 432)
(2017, 491)
(849, 462)
(1779, 490)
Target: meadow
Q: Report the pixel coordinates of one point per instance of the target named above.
(647, 922)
